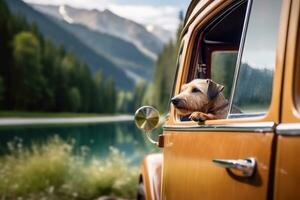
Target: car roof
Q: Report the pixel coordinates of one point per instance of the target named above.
(190, 10)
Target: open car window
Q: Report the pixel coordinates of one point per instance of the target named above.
(216, 48)
(237, 49)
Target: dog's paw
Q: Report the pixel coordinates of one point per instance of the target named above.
(198, 116)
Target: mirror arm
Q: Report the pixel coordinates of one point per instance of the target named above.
(146, 119)
(150, 139)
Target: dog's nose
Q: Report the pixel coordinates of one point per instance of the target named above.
(175, 101)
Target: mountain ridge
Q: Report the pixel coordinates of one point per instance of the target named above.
(71, 43)
(122, 53)
(108, 22)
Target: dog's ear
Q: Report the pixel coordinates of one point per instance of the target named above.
(213, 89)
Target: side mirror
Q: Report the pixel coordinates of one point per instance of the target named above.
(146, 119)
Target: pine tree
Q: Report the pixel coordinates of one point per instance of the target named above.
(164, 75)
(29, 81)
(38, 75)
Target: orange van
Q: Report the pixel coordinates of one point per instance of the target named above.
(252, 47)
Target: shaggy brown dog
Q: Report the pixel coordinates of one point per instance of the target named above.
(202, 99)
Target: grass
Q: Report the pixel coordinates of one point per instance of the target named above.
(51, 171)
(47, 114)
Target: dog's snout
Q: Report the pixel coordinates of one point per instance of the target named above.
(175, 101)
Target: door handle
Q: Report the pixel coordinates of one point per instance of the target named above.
(246, 166)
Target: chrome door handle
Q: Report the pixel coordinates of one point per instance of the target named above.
(246, 166)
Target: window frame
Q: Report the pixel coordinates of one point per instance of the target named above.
(200, 19)
(296, 78)
(178, 62)
(197, 50)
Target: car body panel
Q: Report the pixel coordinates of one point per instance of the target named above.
(287, 174)
(189, 148)
(151, 175)
(188, 170)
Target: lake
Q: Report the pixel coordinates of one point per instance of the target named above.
(96, 139)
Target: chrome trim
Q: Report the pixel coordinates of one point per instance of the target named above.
(244, 115)
(240, 54)
(291, 129)
(260, 127)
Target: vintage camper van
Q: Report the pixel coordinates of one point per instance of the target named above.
(252, 47)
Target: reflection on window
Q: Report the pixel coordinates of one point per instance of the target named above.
(254, 89)
(223, 66)
(254, 84)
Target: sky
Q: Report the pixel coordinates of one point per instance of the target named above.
(151, 12)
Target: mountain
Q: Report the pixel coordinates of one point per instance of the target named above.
(122, 53)
(59, 35)
(107, 22)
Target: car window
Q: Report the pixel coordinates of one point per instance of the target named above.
(253, 86)
(214, 54)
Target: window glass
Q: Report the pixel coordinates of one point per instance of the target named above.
(253, 90)
(223, 66)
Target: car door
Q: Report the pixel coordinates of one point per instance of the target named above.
(190, 148)
(287, 174)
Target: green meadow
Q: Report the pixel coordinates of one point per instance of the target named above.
(53, 171)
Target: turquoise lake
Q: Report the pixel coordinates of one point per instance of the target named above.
(96, 139)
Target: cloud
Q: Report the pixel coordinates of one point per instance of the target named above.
(164, 16)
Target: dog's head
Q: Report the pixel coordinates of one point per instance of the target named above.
(196, 95)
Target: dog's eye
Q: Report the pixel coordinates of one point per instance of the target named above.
(196, 90)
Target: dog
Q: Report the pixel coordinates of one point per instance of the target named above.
(201, 99)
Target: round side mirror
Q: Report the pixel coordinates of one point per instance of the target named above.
(146, 118)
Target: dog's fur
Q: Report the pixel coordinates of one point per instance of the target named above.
(201, 99)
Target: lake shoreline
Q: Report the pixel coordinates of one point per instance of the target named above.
(38, 114)
(12, 121)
